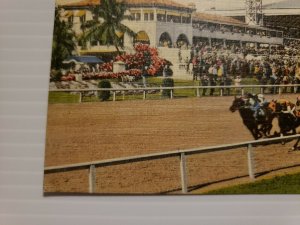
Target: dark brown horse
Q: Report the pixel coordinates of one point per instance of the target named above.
(260, 126)
(288, 119)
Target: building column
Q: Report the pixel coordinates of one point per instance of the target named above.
(142, 15)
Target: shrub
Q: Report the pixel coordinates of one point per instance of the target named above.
(167, 82)
(104, 95)
(55, 75)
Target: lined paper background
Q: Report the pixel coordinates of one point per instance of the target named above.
(25, 49)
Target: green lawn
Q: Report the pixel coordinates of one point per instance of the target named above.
(288, 184)
(64, 97)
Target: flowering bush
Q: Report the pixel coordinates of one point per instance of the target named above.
(144, 56)
(135, 63)
(108, 67)
(110, 75)
(68, 77)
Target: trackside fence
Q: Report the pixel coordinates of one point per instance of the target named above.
(222, 90)
(181, 154)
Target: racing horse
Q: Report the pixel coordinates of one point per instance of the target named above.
(288, 119)
(260, 126)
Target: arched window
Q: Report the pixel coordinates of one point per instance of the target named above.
(165, 40)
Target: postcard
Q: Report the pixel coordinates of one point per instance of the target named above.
(174, 97)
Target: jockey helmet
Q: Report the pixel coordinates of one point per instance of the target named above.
(260, 96)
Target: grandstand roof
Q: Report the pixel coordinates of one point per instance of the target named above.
(217, 18)
(285, 4)
(157, 3)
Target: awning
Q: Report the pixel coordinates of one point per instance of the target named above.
(148, 11)
(83, 59)
(80, 13)
(172, 13)
(68, 14)
(160, 12)
(119, 34)
(186, 15)
(135, 11)
(142, 36)
(84, 52)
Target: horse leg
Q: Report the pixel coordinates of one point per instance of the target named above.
(256, 133)
(295, 147)
(282, 134)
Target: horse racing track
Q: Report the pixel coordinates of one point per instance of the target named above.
(86, 132)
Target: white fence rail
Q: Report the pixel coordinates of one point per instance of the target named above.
(278, 89)
(178, 153)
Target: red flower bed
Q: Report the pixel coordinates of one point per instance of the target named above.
(68, 77)
(135, 64)
(144, 56)
(109, 75)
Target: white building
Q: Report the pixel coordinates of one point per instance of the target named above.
(171, 24)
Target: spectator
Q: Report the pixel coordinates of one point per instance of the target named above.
(228, 82)
(204, 82)
(212, 82)
(237, 83)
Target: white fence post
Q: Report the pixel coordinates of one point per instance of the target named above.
(279, 91)
(250, 162)
(114, 95)
(80, 97)
(183, 173)
(171, 94)
(92, 179)
(198, 92)
(144, 94)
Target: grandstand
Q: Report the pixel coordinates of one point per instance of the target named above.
(281, 15)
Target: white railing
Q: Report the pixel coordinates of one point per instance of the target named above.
(178, 153)
(222, 89)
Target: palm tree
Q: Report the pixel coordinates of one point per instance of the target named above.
(112, 12)
(63, 43)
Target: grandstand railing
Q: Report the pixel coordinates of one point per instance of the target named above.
(239, 89)
(178, 153)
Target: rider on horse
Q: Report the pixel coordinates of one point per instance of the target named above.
(256, 102)
(287, 107)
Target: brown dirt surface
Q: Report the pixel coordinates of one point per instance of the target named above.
(87, 132)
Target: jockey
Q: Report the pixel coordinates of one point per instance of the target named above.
(262, 100)
(289, 107)
(297, 107)
(256, 102)
(298, 101)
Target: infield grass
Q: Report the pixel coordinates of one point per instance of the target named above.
(287, 184)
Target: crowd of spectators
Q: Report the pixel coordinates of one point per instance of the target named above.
(216, 66)
(239, 29)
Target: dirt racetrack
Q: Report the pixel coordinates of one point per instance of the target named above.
(106, 130)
